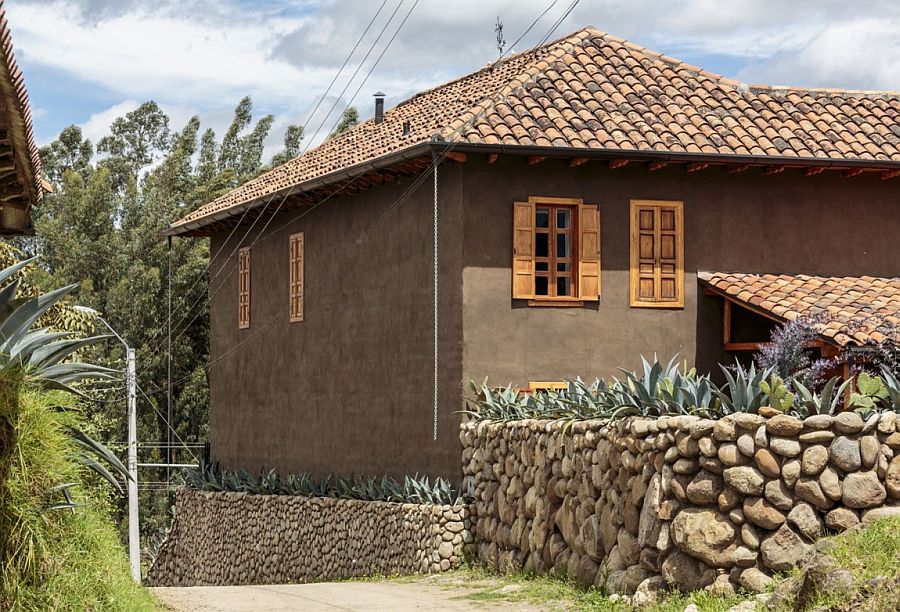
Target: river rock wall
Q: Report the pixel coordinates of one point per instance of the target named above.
(636, 505)
(237, 538)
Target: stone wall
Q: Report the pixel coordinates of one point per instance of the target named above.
(638, 503)
(236, 538)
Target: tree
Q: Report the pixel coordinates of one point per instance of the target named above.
(103, 225)
(135, 140)
(348, 120)
(293, 136)
(71, 151)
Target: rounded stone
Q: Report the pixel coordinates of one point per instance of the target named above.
(686, 466)
(806, 520)
(784, 425)
(707, 447)
(808, 489)
(747, 420)
(848, 423)
(767, 463)
(704, 488)
(744, 557)
(745, 479)
(762, 514)
(784, 550)
(892, 477)
(818, 421)
(841, 519)
(746, 445)
(730, 456)
(863, 490)
(844, 453)
(749, 536)
(790, 471)
(822, 436)
(788, 447)
(706, 535)
(887, 423)
(868, 451)
(724, 431)
(779, 495)
(830, 483)
(815, 458)
(728, 499)
(754, 580)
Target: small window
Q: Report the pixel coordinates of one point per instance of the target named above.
(657, 254)
(244, 288)
(556, 251)
(296, 277)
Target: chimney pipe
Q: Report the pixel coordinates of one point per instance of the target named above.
(379, 107)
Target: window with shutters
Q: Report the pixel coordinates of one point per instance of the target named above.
(657, 254)
(556, 251)
(296, 277)
(244, 288)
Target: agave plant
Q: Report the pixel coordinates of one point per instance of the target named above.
(39, 358)
(744, 388)
(892, 384)
(412, 489)
(826, 401)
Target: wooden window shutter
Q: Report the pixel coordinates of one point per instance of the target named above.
(657, 254)
(588, 252)
(244, 288)
(296, 277)
(523, 251)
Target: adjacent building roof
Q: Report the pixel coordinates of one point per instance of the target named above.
(593, 92)
(20, 165)
(846, 310)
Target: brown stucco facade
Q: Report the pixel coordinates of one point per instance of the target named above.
(349, 390)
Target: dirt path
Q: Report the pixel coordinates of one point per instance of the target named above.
(329, 596)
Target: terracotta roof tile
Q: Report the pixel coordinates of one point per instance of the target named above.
(627, 97)
(854, 307)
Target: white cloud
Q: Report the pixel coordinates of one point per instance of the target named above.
(204, 55)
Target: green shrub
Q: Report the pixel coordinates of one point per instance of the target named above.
(59, 549)
(412, 489)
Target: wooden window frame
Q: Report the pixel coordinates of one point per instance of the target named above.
(244, 288)
(634, 276)
(296, 277)
(584, 270)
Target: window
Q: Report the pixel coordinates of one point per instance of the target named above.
(296, 277)
(657, 254)
(556, 251)
(244, 288)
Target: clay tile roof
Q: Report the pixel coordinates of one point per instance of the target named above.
(25, 190)
(592, 90)
(847, 310)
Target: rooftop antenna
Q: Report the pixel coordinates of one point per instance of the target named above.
(498, 30)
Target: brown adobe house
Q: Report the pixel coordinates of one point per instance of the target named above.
(594, 201)
(21, 186)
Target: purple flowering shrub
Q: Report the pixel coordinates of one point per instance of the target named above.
(789, 353)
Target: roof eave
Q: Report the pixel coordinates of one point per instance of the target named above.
(417, 150)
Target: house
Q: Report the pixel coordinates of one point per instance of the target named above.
(582, 203)
(21, 186)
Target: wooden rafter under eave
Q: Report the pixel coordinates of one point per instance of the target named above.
(889, 174)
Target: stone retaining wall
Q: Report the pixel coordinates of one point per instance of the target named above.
(236, 538)
(638, 503)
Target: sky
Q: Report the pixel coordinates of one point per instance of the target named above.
(87, 62)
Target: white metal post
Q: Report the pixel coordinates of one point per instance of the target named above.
(134, 533)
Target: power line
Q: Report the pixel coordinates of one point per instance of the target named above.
(401, 200)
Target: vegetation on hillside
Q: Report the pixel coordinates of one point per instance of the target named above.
(101, 227)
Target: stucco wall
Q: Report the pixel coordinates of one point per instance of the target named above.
(784, 223)
(236, 538)
(636, 504)
(349, 389)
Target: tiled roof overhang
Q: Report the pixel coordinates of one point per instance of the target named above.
(20, 166)
(846, 311)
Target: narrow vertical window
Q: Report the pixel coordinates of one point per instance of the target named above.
(244, 288)
(296, 277)
(657, 254)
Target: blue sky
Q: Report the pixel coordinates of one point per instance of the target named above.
(89, 61)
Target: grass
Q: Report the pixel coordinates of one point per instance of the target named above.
(549, 593)
(56, 559)
(873, 552)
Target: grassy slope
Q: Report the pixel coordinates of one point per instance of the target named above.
(867, 553)
(58, 559)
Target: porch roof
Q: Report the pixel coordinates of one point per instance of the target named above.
(845, 310)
